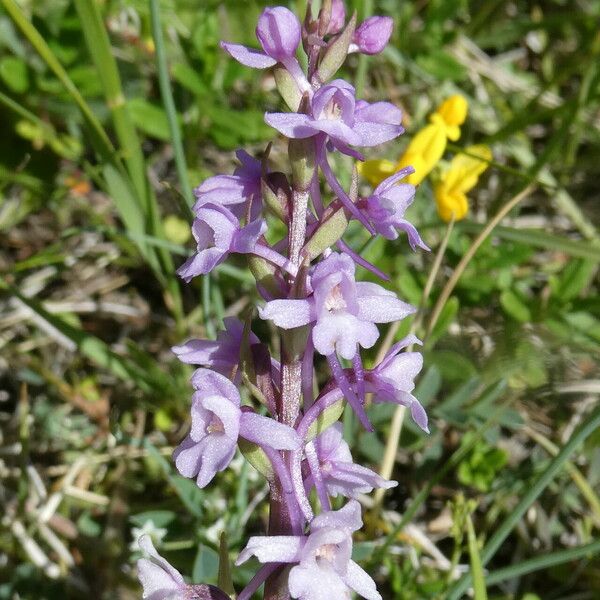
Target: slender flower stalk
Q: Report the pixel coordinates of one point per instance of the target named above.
(325, 316)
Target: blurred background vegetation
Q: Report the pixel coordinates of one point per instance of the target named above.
(94, 219)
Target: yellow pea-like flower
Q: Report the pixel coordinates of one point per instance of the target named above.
(426, 148)
(376, 170)
(460, 177)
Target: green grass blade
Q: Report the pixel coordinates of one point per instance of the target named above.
(479, 590)
(546, 561)
(102, 144)
(590, 424)
(98, 44)
(169, 105)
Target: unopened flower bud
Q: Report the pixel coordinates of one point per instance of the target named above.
(278, 32)
(338, 17)
(373, 34)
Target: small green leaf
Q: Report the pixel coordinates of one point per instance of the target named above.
(257, 458)
(327, 418)
(14, 73)
(150, 119)
(515, 307)
(327, 234)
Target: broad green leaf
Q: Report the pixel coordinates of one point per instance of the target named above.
(149, 118)
(14, 73)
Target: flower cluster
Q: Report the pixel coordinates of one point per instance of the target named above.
(308, 284)
(425, 151)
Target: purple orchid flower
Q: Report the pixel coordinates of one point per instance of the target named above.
(344, 311)
(392, 380)
(279, 33)
(232, 190)
(161, 581)
(336, 113)
(340, 475)
(218, 420)
(217, 232)
(323, 567)
(222, 354)
(385, 209)
(372, 35)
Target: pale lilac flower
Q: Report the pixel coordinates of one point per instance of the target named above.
(340, 474)
(385, 209)
(222, 354)
(218, 420)
(336, 113)
(392, 380)
(278, 32)
(217, 232)
(372, 35)
(232, 190)
(338, 17)
(344, 312)
(323, 569)
(159, 579)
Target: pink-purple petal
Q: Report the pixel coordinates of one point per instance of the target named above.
(249, 57)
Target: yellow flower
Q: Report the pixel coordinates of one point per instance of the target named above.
(426, 148)
(375, 171)
(460, 177)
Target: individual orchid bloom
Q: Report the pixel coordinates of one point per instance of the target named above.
(344, 312)
(392, 380)
(217, 232)
(222, 354)
(460, 177)
(336, 113)
(340, 475)
(323, 568)
(372, 35)
(386, 206)
(218, 420)
(232, 190)
(279, 33)
(427, 147)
